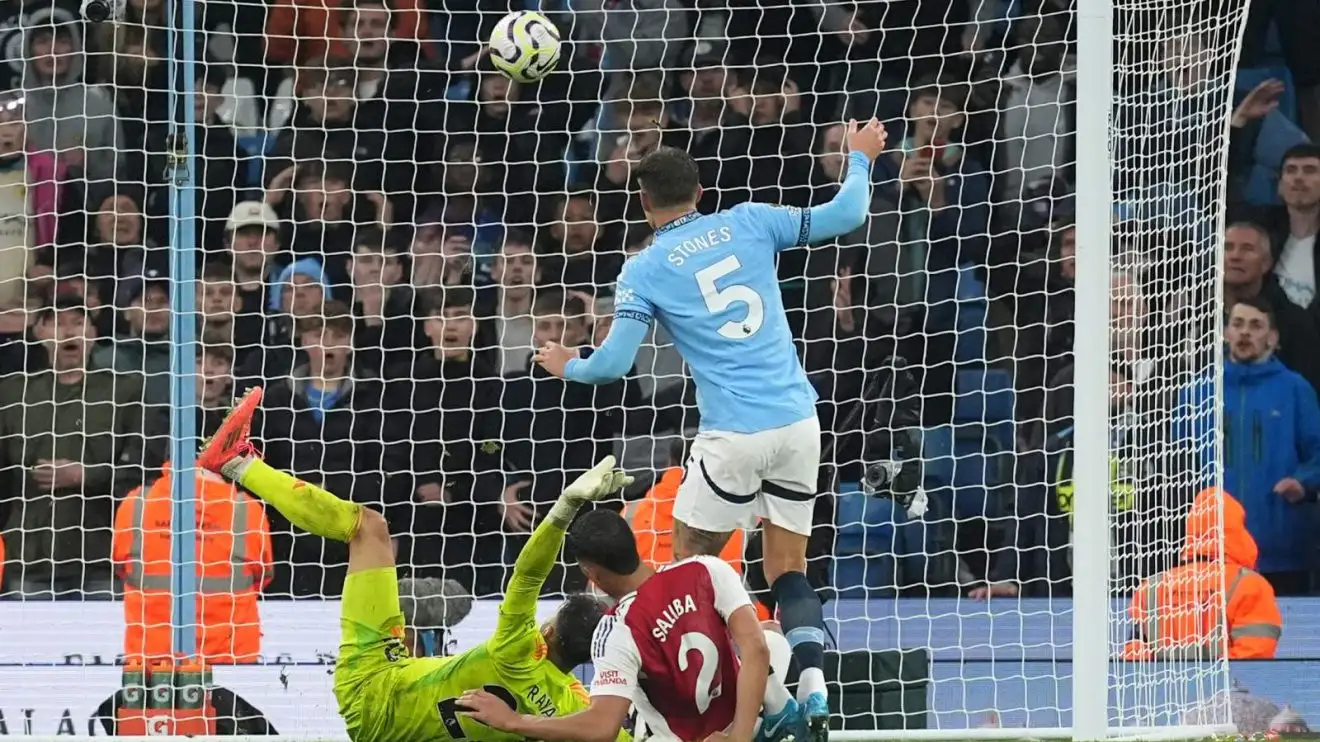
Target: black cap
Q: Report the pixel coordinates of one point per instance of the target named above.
(151, 272)
(703, 53)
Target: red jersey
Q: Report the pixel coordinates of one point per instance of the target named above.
(667, 648)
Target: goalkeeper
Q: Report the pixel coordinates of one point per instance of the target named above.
(385, 694)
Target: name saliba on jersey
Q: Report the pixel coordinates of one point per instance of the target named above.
(687, 248)
(676, 609)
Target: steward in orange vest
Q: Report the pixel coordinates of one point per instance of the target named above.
(1183, 612)
(234, 562)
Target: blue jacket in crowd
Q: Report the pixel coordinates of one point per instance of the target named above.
(1271, 432)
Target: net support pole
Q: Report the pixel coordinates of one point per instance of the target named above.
(183, 328)
(1091, 640)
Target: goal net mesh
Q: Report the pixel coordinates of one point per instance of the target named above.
(385, 229)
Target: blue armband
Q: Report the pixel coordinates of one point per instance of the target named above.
(614, 357)
(849, 207)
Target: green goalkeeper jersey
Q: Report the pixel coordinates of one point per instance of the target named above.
(387, 696)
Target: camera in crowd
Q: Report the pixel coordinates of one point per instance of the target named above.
(101, 11)
(891, 453)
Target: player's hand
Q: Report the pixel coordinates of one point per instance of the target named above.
(601, 480)
(868, 139)
(553, 357)
(489, 710)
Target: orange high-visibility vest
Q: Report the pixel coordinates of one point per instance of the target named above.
(234, 558)
(1184, 612)
(653, 525)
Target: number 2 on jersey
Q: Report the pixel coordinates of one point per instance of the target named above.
(718, 300)
(710, 662)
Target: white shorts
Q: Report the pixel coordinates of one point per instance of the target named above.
(732, 479)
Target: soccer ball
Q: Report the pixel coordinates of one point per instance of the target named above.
(524, 46)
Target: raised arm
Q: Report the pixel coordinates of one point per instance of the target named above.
(518, 609)
(849, 207)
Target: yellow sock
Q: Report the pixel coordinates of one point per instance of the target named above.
(305, 505)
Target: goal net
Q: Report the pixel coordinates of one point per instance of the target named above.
(380, 229)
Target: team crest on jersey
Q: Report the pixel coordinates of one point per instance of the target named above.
(490, 447)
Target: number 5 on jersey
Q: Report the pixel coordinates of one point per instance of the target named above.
(718, 300)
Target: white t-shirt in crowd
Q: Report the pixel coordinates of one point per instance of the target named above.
(1296, 270)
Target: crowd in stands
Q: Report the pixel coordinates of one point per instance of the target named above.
(387, 228)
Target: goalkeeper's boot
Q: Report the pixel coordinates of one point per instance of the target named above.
(230, 442)
(816, 710)
(786, 726)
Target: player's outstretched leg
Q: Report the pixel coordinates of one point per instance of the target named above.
(803, 619)
(231, 454)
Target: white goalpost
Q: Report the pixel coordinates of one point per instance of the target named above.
(378, 227)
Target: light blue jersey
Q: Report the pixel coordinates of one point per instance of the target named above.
(711, 281)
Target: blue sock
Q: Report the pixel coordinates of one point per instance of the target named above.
(803, 620)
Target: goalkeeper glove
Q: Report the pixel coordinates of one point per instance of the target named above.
(595, 484)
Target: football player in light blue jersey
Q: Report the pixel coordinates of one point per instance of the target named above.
(711, 281)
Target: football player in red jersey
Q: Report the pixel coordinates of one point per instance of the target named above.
(668, 649)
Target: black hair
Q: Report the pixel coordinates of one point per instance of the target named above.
(575, 624)
(437, 299)
(603, 538)
(669, 177)
(554, 301)
(62, 303)
(515, 236)
(1260, 304)
(1303, 151)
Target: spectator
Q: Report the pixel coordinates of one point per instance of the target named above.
(440, 256)
(252, 240)
(66, 462)
(301, 30)
(142, 345)
(633, 36)
(574, 239)
(220, 306)
(233, 555)
(1034, 132)
(713, 132)
(386, 331)
(65, 115)
(505, 307)
(1177, 613)
(16, 20)
(215, 397)
(117, 237)
(943, 193)
(1271, 443)
(555, 429)
(1293, 226)
(469, 196)
(298, 293)
(323, 424)
(444, 425)
(1247, 264)
(220, 164)
(31, 183)
(326, 213)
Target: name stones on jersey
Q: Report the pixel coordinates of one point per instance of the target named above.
(676, 609)
(687, 248)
